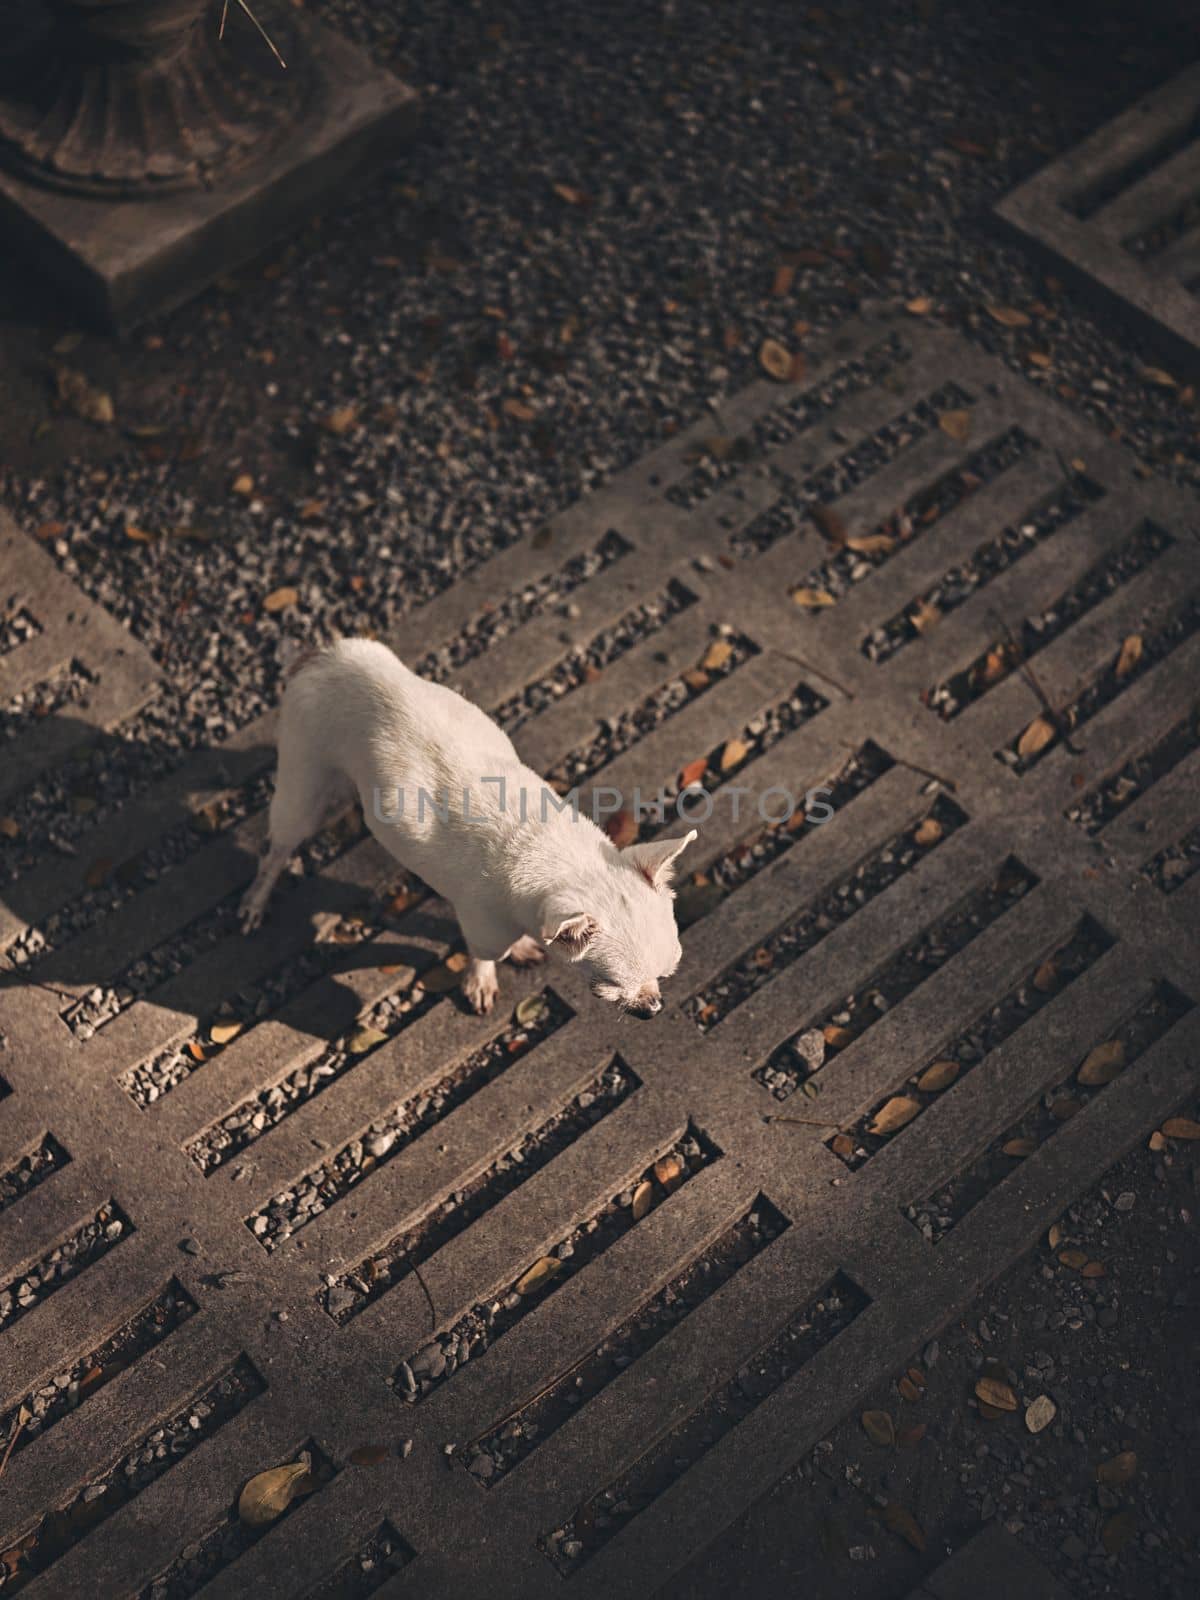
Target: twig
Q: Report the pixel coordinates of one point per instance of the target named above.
(911, 766)
(22, 1418)
(428, 1296)
(807, 1122)
(1059, 721)
(799, 661)
(266, 37)
(524, 1405)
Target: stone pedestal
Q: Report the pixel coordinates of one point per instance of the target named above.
(141, 156)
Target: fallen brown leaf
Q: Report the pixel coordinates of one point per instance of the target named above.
(693, 772)
(280, 599)
(368, 1455)
(538, 1275)
(1008, 316)
(993, 1392)
(937, 1077)
(1037, 736)
(643, 1199)
(1181, 1128)
(1018, 1149)
(894, 1115)
(879, 1427)
(775, 360)
(1129, 656)
(957, 424)
(829, 522)
(734, 753)
(1040, 1413)
(1117, 1470)
(1102, 1064)
(927, 832)
(268, 1494)
(812, 599)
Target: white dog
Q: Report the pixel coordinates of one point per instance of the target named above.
(444, 791)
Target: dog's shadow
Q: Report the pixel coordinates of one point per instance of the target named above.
(56, 835)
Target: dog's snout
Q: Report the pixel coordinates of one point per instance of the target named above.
(646, 1006)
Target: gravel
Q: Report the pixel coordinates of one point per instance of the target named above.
(346, 1295)
(787, 1070)
(796, 938)
(40, 1281)
(606, 1513)
(290, 1210)
(64, 1393)
(517, 1437)
(31, 1170)
(488, 1321)
(1048, 978)
(157, 1453)
(201, 1560)
(1137, 775)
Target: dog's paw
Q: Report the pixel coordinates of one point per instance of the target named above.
(480, 987)
(250, 914)
(527, 952)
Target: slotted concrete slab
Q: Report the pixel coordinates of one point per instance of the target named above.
(327, 1332)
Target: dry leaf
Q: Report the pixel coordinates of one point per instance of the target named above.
(643, 1199)
(835, 1037)
(1018, 1149)
(909, 1390)
(879, 1427)
(896, 1114)
(1157, 376)
(243, 484)
(518, 409)
(1181, 1128)
(908, 1437)
(669, 1172)
(531, 1010)
(1094, 1269)
(828, 522)
(1054, 1236)
(872, 544)
(1046, 976)
(1130, 655)
(897, 1519)
(785, 274)
(1156, 1142)
(1038, 358)
(812, 599)
(929, 832)
(539, 1275)
(925, 616)
(995, 665)
(734, 753)
(938, 1077)
(341, 420)
(196, 1050)
(368, 1455)
(1040, 1413)
(693, 772)
(955, 423)
(280, 599)
(842, 1145)
(920, 307)
(996, 1394)
(716, 656)
(573, 197)
(365, 1039)
(1102, 1064)
(1008, 316)
(775, 360)
(1064, 1108)
(10, 828)
(223, 1032)
(1117, 1470)
(1075, 1259)
(268, 1495)
(1117, 1532)
(695, 679)
(1037, 736)
(138, 535)
(76, 393)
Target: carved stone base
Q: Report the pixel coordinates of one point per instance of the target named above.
(123, 260)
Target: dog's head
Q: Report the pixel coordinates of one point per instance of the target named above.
(626, 938)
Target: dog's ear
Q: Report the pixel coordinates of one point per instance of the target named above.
(656, 862)
(574, 934)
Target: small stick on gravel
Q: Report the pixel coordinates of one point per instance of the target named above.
(911, 766)
(428, 1297)
(808, 1122)
(799, 661)
(1031, 678)
(22, 1418)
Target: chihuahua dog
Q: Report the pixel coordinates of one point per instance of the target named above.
(443, 790)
